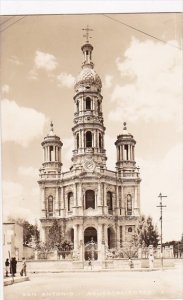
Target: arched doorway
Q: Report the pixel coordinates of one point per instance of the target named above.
(90, 241)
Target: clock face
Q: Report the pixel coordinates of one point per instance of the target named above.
(89, 165)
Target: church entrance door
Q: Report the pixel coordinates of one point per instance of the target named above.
(90, 241)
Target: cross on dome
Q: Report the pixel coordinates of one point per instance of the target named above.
(51, 133)
(87, 29)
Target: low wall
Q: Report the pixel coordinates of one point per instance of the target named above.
(167, 263)
(121, 264)
(52, 265)
(44, 266)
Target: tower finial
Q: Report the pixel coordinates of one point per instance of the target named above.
(51, 129)
(125, 127)
(87, 29)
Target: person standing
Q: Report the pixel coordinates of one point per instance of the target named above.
(7, 264)
(151, 261)
(23, 270)
(13, 266)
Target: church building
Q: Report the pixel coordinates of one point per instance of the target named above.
(91, 203)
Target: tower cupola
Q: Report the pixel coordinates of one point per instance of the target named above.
(125, 146)
(52, 146)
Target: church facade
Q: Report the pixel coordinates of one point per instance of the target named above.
(93, 205)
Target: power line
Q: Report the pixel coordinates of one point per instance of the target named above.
(141, 31)
(12, 24)
(6, 20)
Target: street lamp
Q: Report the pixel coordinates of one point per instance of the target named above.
(161, 220)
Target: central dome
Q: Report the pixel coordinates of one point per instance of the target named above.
(88, 78)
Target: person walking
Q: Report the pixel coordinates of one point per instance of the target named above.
(7, 264)
(23, 270)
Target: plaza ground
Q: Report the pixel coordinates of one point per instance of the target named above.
(158, 284)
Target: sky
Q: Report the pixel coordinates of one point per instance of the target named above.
(142, 85)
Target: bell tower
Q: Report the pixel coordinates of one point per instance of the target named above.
(125, 146)
(51, 155)
(88, 129)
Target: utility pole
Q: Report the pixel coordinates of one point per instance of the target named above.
(161, 220)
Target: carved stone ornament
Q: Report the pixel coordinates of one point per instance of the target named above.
(89, 165)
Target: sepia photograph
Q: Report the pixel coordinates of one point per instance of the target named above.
(91, 155)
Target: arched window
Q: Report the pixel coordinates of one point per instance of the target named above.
(98, 102)
(50, 206)
(77, 140)
(100, 141)
(109, 201)
(51, 158)
(126, 152)
(129, 205)
(89, 199)
(69, 201)
(129, 229)
(88, 103)
(77, 105)
(88, 139)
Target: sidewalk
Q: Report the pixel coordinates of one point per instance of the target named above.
(12, 280)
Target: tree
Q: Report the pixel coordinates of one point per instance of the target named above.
(55, 236)
(30, 231)
(130, 248)
(147, 232)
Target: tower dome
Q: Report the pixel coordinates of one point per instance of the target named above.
(88, 78)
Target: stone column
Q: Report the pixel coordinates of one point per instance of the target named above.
(123, 234)
(117, 236)
(43, 202)
(122, 153)
(99, 194)
(79, 194)
(94, 139)
(75, 237)
(42, 234)
(43, 154)
(82, 139)
(55, 153)
(75, 195)
(81, 242)
(62, 206)
(133, 152)
(117, 200)
(57, 203)
(105, 235)
(105, 200)
(99, 241)
(122, 202)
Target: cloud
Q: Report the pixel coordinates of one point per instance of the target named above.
(108, 81)
(152, 83)
(65, 79)
(68, 146)
(16, 202)
(110, 152)
(5, 89)
(21, 124)
(28, 171)
(33, 74)
(15, 60)
(164, 176)
(45, 61)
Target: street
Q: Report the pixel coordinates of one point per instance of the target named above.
(166, 284)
